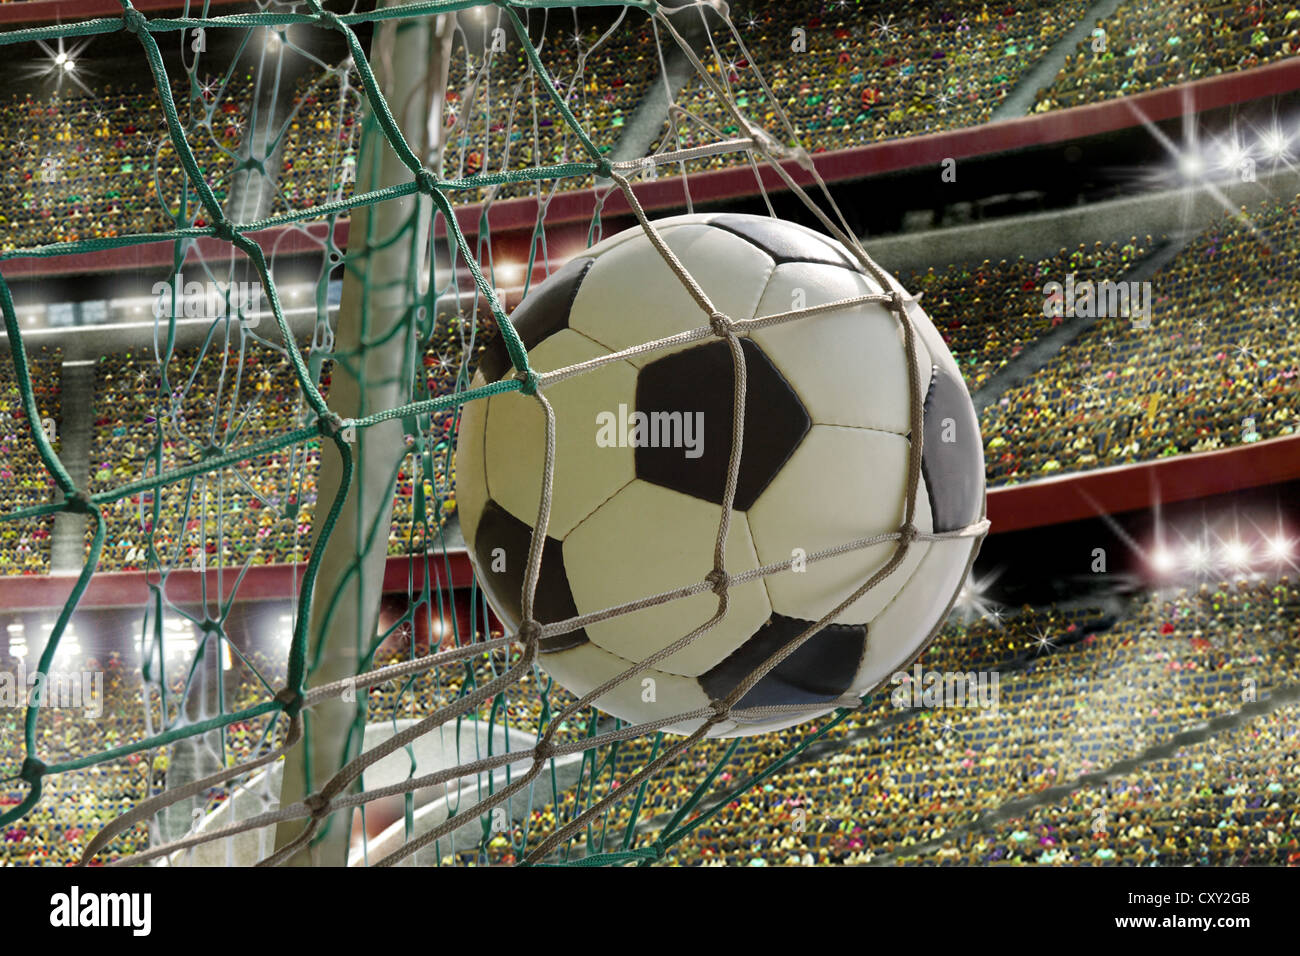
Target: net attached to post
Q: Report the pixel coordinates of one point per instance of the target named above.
(458, 742)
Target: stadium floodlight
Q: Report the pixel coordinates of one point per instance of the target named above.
(284, 633)
(1196, 556)
(1191, 165)
(60, 63)
(1162, 559)
(439, 628)
(1274, 143)
(508, 273)
(1236, 554)
(1232, 154)
(69, 644)
(972, 601)
(1279, 548)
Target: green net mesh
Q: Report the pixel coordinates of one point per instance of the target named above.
(246, 462)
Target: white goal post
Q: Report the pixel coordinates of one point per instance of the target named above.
(410, 59)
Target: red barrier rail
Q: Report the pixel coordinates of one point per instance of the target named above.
(1123, 488)
(1036, 504)
(71, 11)
(262, 583)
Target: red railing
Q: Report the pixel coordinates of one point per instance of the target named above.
(72, 11)
(1036, 504)
(262, 583)
(1123, 488)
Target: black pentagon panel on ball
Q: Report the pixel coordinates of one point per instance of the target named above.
(544, 311)
(682, 428)
(821, 669)
(501, 545)
(952, 454)
(782, 241)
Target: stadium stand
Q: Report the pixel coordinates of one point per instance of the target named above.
(910, 69)
(1150, 44)
(1212, 372)
(84, 165)
(1116, 395)
(25, 546)
(268, 505)
(1216, 368)
(319, 155)
(988, 313)
(206, 399)
(1073, 707)
(1080, 689)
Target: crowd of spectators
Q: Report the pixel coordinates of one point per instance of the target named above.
(89, 166)
(1148, 44)
(319, 152)
(913, 789)
(1224, 802)
(1216, 367)
(25, 545)
(989, 313)
(859, 75)
(76, 804)
(844, 73)
(1080, 688)
(256, 512)
(259, 511)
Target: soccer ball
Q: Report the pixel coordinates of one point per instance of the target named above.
(641, 458)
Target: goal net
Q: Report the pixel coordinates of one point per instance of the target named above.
(330, 195)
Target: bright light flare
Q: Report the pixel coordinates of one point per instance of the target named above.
(508, 274)
(1236, 554)
(1279, 548)
(1232, 155)
(59, 64)
(972, 603)
(1197, 557)
(1191, 165)
(1274, 144)
(1163, 560)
